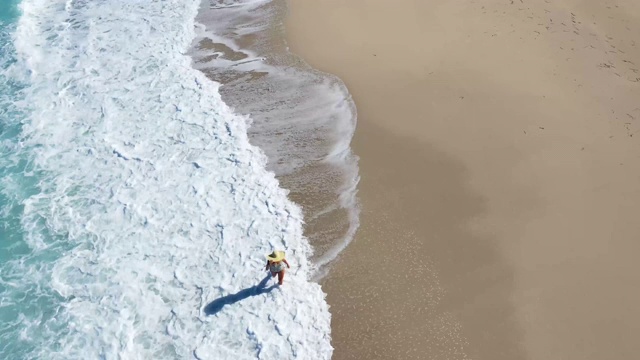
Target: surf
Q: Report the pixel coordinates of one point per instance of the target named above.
(138, 199)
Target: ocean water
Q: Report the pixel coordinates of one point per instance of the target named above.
(135, 210)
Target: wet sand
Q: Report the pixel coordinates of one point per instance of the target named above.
(499, 146)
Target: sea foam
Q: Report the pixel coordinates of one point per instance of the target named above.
(158, 208)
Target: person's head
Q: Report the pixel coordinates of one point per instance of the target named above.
(276, 256)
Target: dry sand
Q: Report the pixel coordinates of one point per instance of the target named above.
(500, 164)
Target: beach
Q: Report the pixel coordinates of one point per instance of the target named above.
(498, 147)
(448, 179)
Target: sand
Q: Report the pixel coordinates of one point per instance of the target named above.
(499, 146)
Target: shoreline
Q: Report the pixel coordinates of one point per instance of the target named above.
(301, 118)
(497, 162)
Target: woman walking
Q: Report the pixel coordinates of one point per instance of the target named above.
(275, 264)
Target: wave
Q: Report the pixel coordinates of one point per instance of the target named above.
(148, 202)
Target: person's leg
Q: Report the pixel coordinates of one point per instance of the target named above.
(273, 274)
(280, 277)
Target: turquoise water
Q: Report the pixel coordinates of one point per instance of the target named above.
(8, 11)
(130, 196)
(9, 232)
(18, 182)
(12, 244)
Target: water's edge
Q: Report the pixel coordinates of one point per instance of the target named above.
(302, 119)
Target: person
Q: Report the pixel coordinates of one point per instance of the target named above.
(275, 264)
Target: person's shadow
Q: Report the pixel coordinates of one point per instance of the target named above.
(217, 304)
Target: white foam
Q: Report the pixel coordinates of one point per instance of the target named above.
(151, 178)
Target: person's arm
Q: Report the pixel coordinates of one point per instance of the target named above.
(267, 267)
(285, 261)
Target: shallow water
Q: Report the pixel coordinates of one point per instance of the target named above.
(131, 197)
